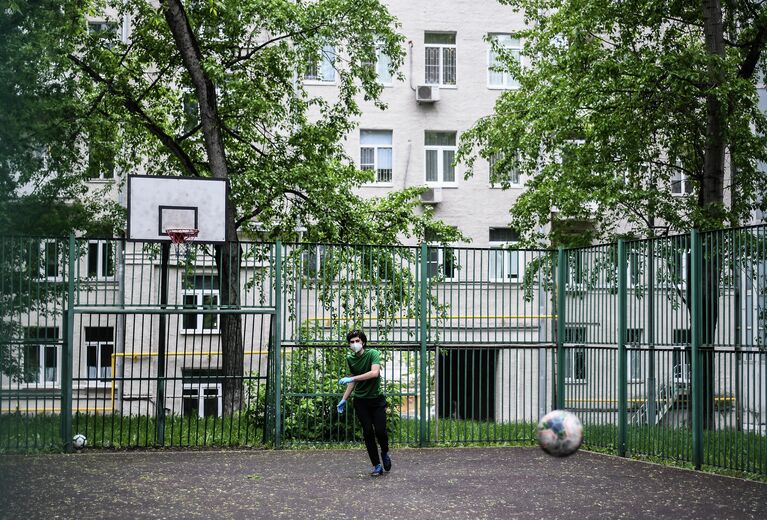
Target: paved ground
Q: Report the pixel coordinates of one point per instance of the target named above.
(456, 483)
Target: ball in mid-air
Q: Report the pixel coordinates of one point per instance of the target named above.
(560, 433)
(79, 441)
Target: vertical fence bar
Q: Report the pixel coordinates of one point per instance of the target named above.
(695, 326)
(561, 280)
(66, 352)
(277, 344)
(422, 289)
(622, 372)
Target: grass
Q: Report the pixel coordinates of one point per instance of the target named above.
(727, 452)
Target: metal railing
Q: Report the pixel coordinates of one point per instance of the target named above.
(658, 345)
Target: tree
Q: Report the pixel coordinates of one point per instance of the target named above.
(212, 89)
(624, 106)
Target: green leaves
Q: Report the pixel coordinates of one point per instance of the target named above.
(611, 117)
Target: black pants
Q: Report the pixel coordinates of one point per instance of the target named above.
(372, 415)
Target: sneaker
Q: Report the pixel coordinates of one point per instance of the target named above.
(386, 461)
(377, 471)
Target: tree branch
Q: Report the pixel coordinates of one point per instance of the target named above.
(135, 108)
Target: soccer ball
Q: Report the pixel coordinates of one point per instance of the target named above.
(560, 433)
(79, 441)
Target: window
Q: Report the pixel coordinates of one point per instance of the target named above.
(101, 261)
(440, 153)
(440, 260)
(50, 260)
(575, 354)
(376, 153)
(574, 267)
(323, 69)
(99, 344)
(312, 259)
(507, 177)
(680, 184)
(634, 344)
(496, 76)
(635, 265)
(439, 53)
(382, 64)
(503, 262)
(200, 292)
(41, 356)
(202, 400)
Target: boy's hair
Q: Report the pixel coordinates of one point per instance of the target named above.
(356, 333)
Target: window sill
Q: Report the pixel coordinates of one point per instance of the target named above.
(189, 332)
(441, 185)
(378, 185)
(496, 87)
(442, 87)
(314, 82)
(517, 186)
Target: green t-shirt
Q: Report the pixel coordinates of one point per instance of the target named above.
(361, 364)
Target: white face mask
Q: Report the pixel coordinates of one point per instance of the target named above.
(356, 347)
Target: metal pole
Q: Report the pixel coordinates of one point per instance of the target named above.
(160, 406)
(651, 397)
(66, 353)
(277, 344)
(561, 281)
(622, 372)
(423, 337)
(696, 316)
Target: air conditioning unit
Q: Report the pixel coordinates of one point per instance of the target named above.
(426, 93)
(432, 196)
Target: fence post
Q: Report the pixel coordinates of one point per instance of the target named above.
(696, 318)
(561, 281)
(622, 372)
(278, 344)
(422, 289)
(66, 352)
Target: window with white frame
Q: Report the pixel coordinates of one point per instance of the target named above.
(439, 55)
(99, 346)
(680, 356)
(634, 345)
(101, 260)
(575, 354)
(312, 259)
(680, 184)
(440, 153)
(509, 176)
(200, 292)
(497, 76)
(376, 154)
(635, 264)
(41, 356)
(50, 260)
(504, 261)
(322, 70)
(383, 62)
(202, 400)
(440, 259)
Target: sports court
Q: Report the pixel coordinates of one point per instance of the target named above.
(451, 483)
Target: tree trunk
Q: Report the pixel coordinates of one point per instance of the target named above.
(227, 255)
(711, 197)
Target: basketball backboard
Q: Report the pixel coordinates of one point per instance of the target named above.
(156, 204)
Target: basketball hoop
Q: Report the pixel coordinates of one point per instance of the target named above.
(182, 235)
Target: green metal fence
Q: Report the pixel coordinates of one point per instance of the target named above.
(658, 345)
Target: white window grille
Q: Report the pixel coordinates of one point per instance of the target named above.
(200, 292)
(681, 184)
(440, 62)
(99, 346)
(440, 151)
(101, 259)
(322, 70)
(575, 354)
(504, 264)
(510, 176)
(441, 261)
(202, 400)
(41, 355)
(376, 154)
(497, 77)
